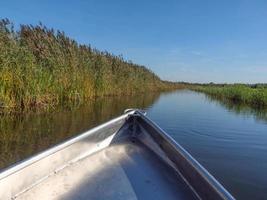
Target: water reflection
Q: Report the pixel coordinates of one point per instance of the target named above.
(241, 109)
(222, 136)
(24, 135)
(225, 138)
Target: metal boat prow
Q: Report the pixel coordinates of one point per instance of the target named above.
(129, 157)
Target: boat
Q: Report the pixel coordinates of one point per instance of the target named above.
(128, 157)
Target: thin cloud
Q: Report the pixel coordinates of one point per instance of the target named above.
(197, 53)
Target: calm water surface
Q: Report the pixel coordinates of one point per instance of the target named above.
(230, 141)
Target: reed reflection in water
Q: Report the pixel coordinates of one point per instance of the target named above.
(26, 134)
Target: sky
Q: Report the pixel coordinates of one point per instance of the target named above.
(221, 41)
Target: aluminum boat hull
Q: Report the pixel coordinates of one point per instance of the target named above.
(129, 157)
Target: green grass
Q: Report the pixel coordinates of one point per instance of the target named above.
(252, 95)
(42, 67)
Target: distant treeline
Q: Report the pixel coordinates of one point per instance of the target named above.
(254, 95)
(252, 85)
(40, 66)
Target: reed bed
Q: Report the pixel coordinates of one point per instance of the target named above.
(252, 95)
(42, 67)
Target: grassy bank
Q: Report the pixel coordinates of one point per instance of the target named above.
(252, 95)
(43, 67)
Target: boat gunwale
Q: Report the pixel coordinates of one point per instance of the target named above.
(203, 175)
(36, 157)
(211, 180)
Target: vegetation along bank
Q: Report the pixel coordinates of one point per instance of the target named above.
(43, 67)
(253, 95)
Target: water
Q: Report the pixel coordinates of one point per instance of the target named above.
(229, 140)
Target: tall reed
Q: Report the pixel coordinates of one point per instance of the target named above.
(43, 67)
(253, 95)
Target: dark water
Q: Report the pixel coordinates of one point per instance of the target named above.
(24, 135)
(229, 140)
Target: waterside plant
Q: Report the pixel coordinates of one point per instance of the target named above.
(42, 67)
(251, 95)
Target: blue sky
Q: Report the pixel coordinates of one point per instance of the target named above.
(181, 40)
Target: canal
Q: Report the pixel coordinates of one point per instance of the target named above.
(229, 140)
